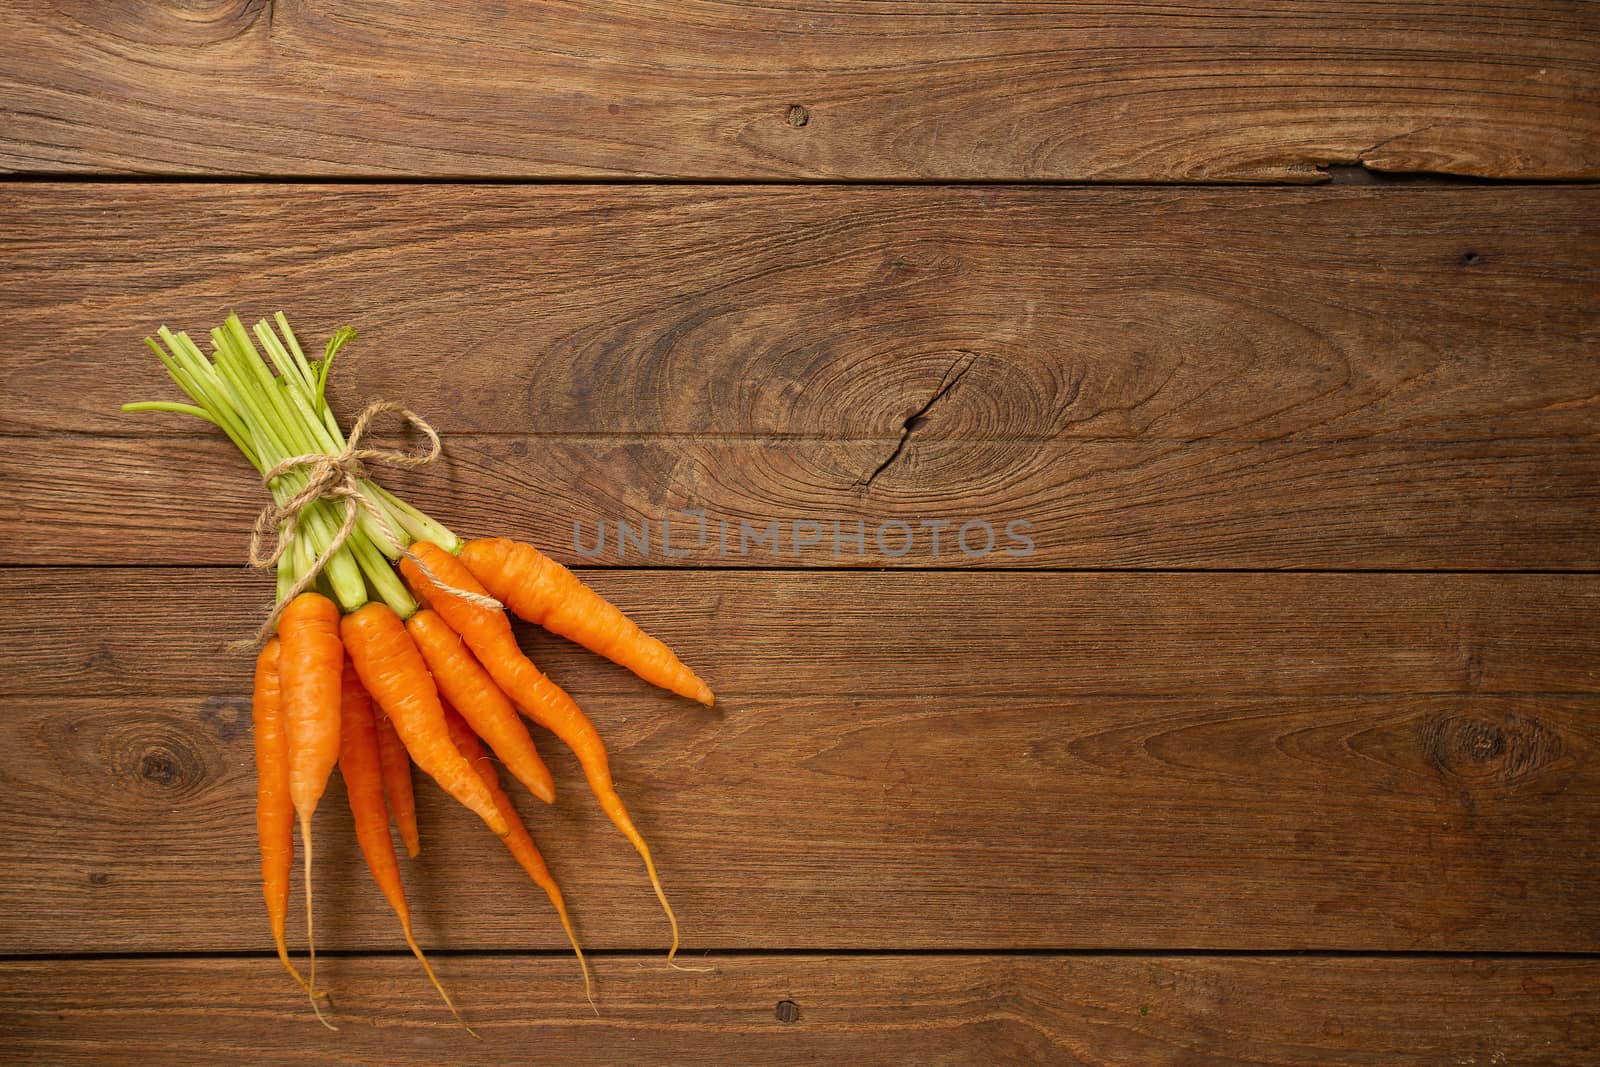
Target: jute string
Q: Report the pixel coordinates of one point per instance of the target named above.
(338, 477)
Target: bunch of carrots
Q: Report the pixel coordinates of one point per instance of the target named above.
(389, 643)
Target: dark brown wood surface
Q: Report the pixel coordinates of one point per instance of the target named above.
(1090, 1010)
(885, 821)
(1435, 314)
(1263, 90)
(965, 633)
(1067, 760)
(1330, 417)
(1489, 505)
(1281, 745)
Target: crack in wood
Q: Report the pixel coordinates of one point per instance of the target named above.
(1361, 157)
(953, 374)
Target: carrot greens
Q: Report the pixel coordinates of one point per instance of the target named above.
(274, 409)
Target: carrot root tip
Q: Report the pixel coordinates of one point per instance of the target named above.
(311, 943)
(434, 978)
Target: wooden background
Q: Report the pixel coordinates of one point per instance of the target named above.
(1276, 319)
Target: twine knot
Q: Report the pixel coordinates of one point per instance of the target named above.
(338, 476)
(335, 476)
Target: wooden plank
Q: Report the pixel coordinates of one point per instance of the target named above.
(855, 633)
(787, 503)
(979, 313)
(873, 1009)
(1436, 822)
(1266, 90)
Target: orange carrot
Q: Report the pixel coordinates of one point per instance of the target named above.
(465, 685)
(274, 810)
(488, 634)
(310, 664)
(545, 593)
(361, 766)
(402, 802)
(394, 673)
(518, 841)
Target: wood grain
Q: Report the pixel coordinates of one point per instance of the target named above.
(837, 313)
(787, 503)
(876, 1009)
(1266, 90)
(1132, 797)
(145, 631)
(916, 819)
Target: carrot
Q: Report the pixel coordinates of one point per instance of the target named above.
(402, 802)
(488, 634)
(361, 765)
(310, 663)
(274, 810)
(543, 592)
(464, 683)
(394, 673)
(518, 841)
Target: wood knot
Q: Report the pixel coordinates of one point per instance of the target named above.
(171, 23)
(1471, 749)
(236, 12)
(159, 763)
(218, 8)
(160, 768)
(1470, 258)
(798, 115)
(787, 1011)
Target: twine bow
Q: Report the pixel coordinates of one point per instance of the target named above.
(338, 476)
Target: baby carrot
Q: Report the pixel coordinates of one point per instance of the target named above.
(402, 802)
(465, 685)
(394, 673)
(518, 841)
(488, 634)
(274, 810)
(310, 664)
(545, 593)
(361, 766)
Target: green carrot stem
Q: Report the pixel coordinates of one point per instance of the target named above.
(271, 417)
(419, 525)
(382, 578)
(179, 409)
